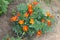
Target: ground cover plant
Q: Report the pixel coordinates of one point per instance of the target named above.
(4, 6)
(30, 20)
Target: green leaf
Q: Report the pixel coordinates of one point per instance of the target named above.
(37, 9)
(17, 28)
(34, 15)
(37, 25)
(22, 8)
(11, 38)
(45, 28)
(9, 0)
(3, 6)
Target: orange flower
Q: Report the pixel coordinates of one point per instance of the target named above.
(29, 6)
(48, 14)
(43, 20)
(21, 22)
(32, 21)
(25, 28)
(14, 18)
(26, 15)
(30, 11)
(8, 38)
(18, 14)
(35, 3)
(39, 33)
(49, 23)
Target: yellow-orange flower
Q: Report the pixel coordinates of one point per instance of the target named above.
(39, 33)
(43, 20)
(48, 13)
(18, 14)
(26, 15)
(14, 18)
(49, 23)
(21, 22)
(25, 28)
(32, 21)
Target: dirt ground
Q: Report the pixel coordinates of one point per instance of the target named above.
(54, 8)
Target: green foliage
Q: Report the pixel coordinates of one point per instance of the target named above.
(22, 8)
(36, 24)
(11, 38)
(9, 0)
(3, 6)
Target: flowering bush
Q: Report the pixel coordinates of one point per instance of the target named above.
(31, 20)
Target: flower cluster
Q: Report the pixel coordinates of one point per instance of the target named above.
(31, 19)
